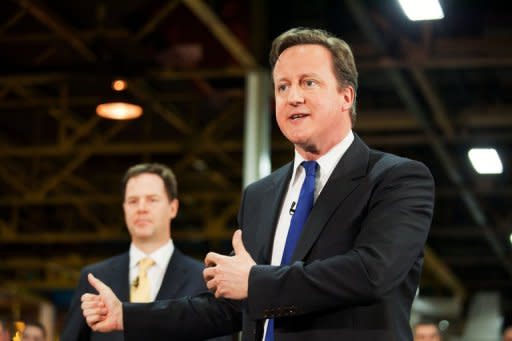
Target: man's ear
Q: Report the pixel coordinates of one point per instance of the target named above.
(347, 94)
(175, 204)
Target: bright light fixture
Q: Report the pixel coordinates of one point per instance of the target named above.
(485, 160)
(422, 9)
(117, 106)
(119, 85)
(119, 110)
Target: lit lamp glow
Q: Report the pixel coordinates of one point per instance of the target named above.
(119, 85)
(119, 109)
(422, 9)
(485, 160)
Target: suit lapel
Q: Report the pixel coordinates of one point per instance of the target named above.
(120, 284)
(174, 277)
(273, 196)
(345, 178)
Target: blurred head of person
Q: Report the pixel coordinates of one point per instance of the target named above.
(507, 334)
(150, 203)
(34, 331)
(5, 335)
(427, 331)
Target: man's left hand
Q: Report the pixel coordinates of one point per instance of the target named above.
(228, 276)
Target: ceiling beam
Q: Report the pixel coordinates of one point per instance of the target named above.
(456, 232)
(222, 33)
(432, 63)
(12, 21)
(91, 101)
(434, 101)
(75, 162)
(82, 130)
(44, 284)
(142, 90)
(85, 35)
(110, 199)
(56, 24)
(278, 144)
(474, 261)
(443, 273)
(415, 53)
(156, 18)
(493, 191)
(12, 180)
(34, 263)
(71, 238)
(110, 234)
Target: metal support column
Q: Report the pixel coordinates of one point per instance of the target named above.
(257, 126)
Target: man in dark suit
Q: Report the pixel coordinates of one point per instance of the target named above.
(150, 204)
(332, 243)
(5, 334)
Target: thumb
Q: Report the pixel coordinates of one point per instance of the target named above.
(101, 287)
(238, 244)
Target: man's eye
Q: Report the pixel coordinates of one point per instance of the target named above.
(309, 82)
(282, 87)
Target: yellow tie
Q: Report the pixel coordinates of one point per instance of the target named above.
(140, 290)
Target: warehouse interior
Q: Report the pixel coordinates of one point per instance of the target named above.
(428, 90)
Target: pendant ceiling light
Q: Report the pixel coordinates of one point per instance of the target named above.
(118, 107)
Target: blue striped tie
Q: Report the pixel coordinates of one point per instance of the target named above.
(304, 206)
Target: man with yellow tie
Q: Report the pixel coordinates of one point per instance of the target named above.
(152, 268)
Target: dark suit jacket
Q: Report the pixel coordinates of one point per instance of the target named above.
(183, 277)
(354, 272)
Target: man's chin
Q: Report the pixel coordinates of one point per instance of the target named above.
(143, 231)
(307, 147)
(142, 237)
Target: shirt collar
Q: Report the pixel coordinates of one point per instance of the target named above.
(161, 256)
(326, 162)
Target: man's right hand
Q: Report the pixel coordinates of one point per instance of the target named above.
(102, 312)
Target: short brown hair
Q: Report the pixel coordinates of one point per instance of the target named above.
(36, 324)
(164, 172)
(344, 66)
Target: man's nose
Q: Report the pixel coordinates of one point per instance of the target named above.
(295, 95)
(142, 205)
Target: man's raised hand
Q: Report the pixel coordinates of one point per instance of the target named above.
(102, 312)
(228, 276)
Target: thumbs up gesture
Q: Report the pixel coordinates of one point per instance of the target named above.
(102, 312)
(228, 276)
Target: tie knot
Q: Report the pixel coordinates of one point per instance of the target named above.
(310, 167)
(145, 264)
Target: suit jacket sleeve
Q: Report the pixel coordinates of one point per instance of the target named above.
(392, 227)
(188, 318)
(75, 328)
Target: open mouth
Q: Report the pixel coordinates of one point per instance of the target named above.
(298, 116)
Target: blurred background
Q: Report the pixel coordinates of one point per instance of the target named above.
(429, 90)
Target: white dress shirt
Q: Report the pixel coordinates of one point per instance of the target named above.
(156, 273)
(326, 165)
